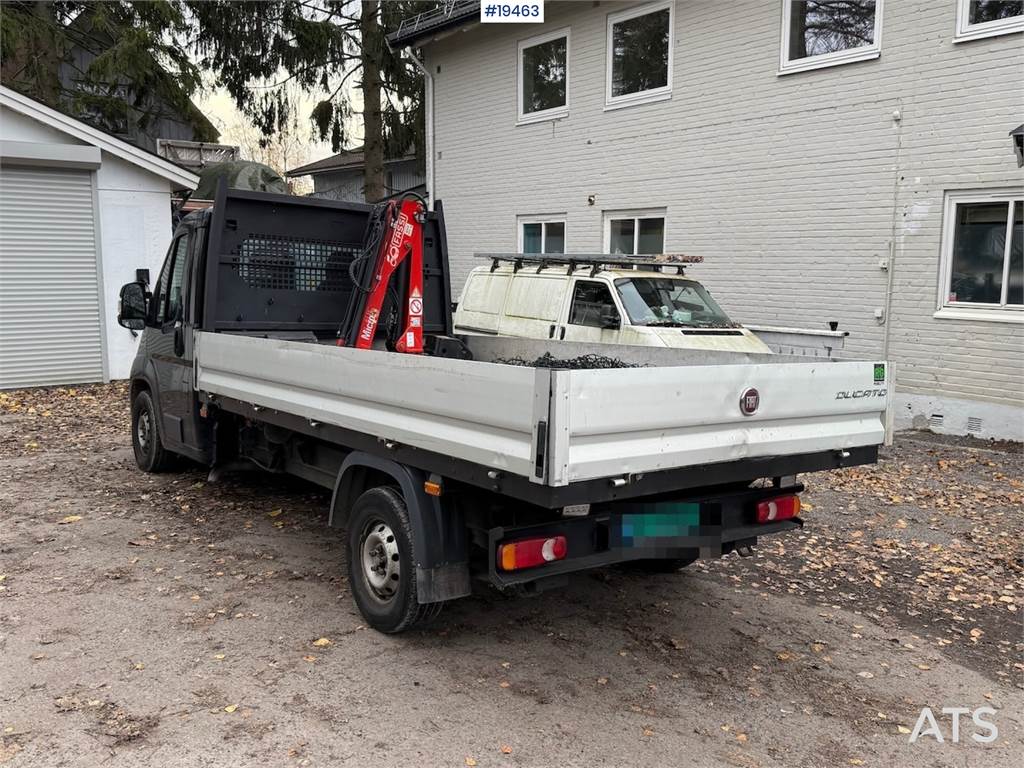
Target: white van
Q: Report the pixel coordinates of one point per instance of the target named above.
(614, 305)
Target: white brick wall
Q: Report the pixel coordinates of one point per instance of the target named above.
(792, 187)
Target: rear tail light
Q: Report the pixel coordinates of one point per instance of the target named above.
(528, 553)
(779, 508)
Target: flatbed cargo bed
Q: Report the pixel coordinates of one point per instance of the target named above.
(618, 429)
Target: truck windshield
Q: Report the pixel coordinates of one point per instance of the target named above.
(670, 301)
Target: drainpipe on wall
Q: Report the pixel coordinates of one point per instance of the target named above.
(897, 117)
(428, 119)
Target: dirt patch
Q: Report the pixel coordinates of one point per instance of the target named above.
(165, 620)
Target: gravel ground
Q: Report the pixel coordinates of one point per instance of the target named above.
(165, 621)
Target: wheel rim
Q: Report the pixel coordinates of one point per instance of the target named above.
(143, 430)
(381, 562)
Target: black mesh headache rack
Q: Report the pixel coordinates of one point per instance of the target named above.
(594, 261)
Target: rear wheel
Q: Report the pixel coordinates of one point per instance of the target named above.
(380, 563)
(150, 454)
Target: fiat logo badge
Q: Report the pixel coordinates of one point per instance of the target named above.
(749, 401)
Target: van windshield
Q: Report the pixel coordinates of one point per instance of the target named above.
(670, 302)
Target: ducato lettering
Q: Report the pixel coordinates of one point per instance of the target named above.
(856, 394)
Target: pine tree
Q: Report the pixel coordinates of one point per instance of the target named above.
(262, 51)
(113, 60)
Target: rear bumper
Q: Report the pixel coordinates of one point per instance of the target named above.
(594, 541)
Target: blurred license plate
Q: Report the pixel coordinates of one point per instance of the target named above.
(664, 524)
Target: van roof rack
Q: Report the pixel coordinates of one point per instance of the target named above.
(595, 261)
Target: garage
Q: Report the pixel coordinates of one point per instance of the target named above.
(49, 281)
(80, 212)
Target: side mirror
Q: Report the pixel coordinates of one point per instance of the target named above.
(609, 317)
(132, 306)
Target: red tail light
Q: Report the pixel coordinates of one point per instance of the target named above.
(779, 508)
(527, 553)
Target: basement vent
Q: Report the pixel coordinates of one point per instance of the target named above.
(935, 421)
(973, 424)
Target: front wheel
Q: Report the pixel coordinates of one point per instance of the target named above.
(380, 563)
(150, 454)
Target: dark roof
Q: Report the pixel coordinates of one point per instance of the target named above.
(424, 25)
(347, 159)
(189, 112)
(1018, 131)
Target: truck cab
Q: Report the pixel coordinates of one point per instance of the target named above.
(629, 306)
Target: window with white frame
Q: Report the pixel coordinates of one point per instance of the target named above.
(639, 54)
(986, 18)
(983, 254)
(634, 232)
(542, 234)
(823, 33)
(544, 76)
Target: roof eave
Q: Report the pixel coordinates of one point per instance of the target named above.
(179, 178)
(302, 170)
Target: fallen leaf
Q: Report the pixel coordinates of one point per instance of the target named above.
(310, 659)
(230, 708)
(924, 667)
(648, 731)
(902, 729)
(218, 656)
(8, 750)
(504, 684)
(470, 762)
(866, 675)
(783, 655)
(741, 737)
(506, 749)
(602, 681)
(322, 642)
(70, 519)
(274, 512)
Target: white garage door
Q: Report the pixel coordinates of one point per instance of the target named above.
(49, 286)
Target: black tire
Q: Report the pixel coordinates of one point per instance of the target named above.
(380, 563)
(661, 565)
(150, 454)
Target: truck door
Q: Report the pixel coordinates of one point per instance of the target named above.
(171, 348)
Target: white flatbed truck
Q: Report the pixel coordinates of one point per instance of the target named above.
(490, 458)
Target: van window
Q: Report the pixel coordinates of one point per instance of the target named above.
(536, 297)
(167, 297)
(175, 290)
(589, 301)
(669, 301)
